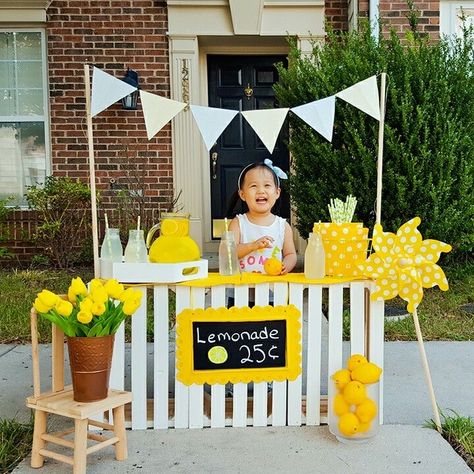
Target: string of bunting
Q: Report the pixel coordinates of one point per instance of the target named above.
(212, 121)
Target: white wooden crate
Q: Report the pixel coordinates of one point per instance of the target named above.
(285, 403)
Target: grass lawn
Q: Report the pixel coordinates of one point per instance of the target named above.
(459, 433)
(15, 443)
(440, 313)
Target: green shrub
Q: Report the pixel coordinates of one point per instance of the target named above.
(428, 165)
(63, 210)
(5, 253)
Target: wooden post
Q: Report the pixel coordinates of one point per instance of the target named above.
(378, 208)
(90, 145)
(426, 369)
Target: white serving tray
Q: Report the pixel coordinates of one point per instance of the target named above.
(154, 272)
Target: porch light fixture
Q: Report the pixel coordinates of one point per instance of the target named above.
(129, 102)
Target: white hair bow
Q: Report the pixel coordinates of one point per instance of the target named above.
(278, 171)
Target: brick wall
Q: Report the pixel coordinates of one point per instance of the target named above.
(394, 15)
(111, 35)
(336, 14)
(16, 234)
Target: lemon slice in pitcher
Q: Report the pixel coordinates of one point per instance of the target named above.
(169, 227)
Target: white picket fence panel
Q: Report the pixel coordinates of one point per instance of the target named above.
(199, 406)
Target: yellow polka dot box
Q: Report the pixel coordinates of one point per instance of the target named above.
(345, 246)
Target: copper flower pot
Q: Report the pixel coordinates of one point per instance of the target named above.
(90, 359)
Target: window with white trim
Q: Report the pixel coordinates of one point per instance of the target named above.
(24, 132)
(451, 13)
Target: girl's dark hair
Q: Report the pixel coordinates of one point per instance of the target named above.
(236, 205)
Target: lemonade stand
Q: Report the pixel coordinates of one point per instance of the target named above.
(270, 358)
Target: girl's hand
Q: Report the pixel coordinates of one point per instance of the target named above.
(264, 242)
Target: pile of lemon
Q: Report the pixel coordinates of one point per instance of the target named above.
(351, 403)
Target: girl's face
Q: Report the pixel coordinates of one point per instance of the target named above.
(259, 190)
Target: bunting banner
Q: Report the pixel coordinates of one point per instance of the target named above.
(106, 90)
(364, 95)
(158, 111)
(211, 122)
(267, 124)
(319, 115)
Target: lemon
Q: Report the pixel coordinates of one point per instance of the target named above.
(367, 410)
(354, 393)
(341, 378)
(340, 406)
(364, 427)
(366, 373)
(355, 360)
(348, 424)
(217, 354)
(272, 266)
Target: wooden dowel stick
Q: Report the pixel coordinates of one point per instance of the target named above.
(90, 144)
(426, 369)
(378, 207)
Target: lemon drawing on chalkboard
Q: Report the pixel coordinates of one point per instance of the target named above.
(217, 355)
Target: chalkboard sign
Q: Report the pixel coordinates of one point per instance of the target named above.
(238, 344)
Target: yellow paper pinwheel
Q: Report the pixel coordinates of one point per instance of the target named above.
(404, 264)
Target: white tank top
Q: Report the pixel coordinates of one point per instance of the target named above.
(253, 262)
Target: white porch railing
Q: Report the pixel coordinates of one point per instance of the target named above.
(285, 403)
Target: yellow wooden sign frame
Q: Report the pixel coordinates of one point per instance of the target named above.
(184, 345)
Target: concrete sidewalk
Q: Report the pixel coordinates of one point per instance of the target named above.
(397, 448)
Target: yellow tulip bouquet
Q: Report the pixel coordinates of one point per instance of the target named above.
(96, 312)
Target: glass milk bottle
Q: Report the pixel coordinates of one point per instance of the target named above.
(314, 258)
(135, 251)
(111, 246)
(228, 261)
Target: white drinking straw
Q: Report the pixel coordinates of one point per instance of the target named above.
(138, 223)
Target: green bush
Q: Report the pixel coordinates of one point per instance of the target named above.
(63, 210)
(5, 253)
(428, 165)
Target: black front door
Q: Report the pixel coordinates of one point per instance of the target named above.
(241, 83)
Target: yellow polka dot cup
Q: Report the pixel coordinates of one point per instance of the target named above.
(345, 246)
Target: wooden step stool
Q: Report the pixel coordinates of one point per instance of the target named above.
(59, 401)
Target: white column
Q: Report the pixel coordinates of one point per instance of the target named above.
(186, 142)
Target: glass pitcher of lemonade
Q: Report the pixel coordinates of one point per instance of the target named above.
(174, 244)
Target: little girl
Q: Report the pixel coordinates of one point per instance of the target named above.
(260, 234)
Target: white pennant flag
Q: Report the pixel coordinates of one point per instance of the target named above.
(319, 115)
(212, 122)
(267, 124)
(106, 90)
(364, 95)
(158, 111)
